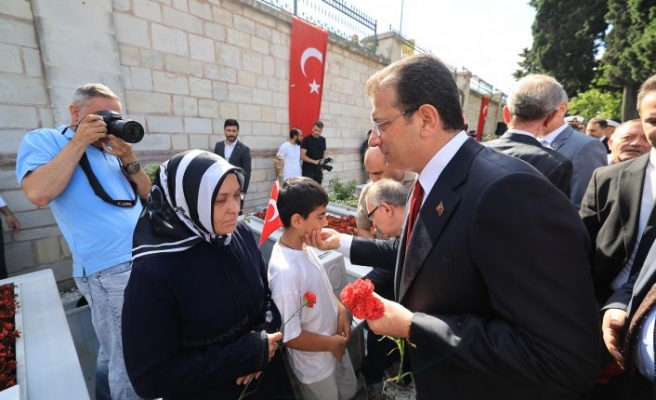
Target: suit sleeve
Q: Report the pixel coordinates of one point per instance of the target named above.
(374, 252)
(589, 213)
(561, 176)
(530, 249)
(590, 157)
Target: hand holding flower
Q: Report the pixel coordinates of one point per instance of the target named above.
(273, 338)
(384, 317)
(394, 322)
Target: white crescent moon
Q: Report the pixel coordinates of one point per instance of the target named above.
(273, 203)
(309, 53)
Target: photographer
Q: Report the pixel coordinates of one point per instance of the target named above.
(313, 150)
(91, 178)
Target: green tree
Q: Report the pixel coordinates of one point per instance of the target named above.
(566, 37)
(596, 102)
(630, 48)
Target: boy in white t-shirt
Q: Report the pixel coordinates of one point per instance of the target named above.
(315, 338)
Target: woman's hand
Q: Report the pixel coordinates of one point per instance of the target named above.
(274, 338)
(243, 380)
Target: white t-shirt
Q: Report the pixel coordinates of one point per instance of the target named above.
(291, 153)
(291, 274)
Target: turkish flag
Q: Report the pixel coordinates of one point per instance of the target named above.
(272, 219)
(482, 116)
(307, 57)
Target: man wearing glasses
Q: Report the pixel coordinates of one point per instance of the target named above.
(492, 284)
(376, 168)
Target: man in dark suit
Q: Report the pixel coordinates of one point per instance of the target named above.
(529, 110)
(628, 322)
(235, 152)
(598, 128)
(492, 279)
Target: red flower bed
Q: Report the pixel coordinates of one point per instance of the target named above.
(8, 335)
(340, 224)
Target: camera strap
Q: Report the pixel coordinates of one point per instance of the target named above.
(97, 187)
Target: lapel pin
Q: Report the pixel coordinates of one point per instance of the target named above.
(440, 209)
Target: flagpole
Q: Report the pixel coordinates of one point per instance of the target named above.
(401, 21)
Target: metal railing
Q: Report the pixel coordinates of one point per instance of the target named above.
(336, 16)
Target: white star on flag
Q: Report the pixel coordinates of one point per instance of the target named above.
(314, 87)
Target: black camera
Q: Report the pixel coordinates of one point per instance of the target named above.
(124, 129)
(323, 164)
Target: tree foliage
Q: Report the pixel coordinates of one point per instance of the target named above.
(566, 37)
(571, 42)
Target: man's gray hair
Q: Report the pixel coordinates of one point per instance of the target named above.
(535, 97)
(388, 191)
(88, 90)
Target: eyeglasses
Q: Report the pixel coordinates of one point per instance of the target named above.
(370, 216)
(377, 126)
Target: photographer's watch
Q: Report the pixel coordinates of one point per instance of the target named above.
(132, 168)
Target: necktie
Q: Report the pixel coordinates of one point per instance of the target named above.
(646, 241)
(415, 205)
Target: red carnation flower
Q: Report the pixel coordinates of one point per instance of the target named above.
(309, 299)
(358, 297)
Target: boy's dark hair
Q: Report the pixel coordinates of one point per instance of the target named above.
(319, 124)
(293, 133)
(300, 195)
(231, 122)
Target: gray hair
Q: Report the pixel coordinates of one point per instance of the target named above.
(88, 90)
(388, 191)
(535, 97)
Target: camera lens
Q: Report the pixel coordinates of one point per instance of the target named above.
(129, 131)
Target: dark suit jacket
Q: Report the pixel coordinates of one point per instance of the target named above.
(555, 166)
(629, 297)
(499, 314)
(586, 153)
(611, 211)
(240, 157)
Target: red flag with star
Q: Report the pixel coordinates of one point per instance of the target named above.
(307, 58)
(482, 117)
(272, 219)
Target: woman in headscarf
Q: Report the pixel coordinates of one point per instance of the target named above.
(198, 322)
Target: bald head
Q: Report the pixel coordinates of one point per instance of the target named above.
(375, 165)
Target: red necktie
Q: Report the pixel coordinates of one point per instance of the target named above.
(415, 205)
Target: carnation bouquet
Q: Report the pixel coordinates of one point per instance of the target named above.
(359, 298)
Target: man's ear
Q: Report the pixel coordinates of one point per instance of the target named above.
(74, 110)
(506, 115)
(430, 119)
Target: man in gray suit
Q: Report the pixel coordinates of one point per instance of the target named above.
(492, 281)
(585, 152)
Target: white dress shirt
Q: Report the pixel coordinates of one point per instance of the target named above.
(228, 149)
